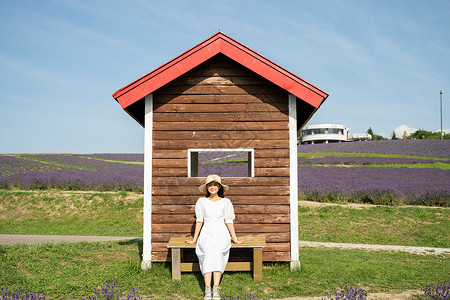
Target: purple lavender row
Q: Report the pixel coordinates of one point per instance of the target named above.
(367, 160)
(76, 160)
(418, 186)
(76, 179)
(10, 165)
(430, 148)
(224, 170)
(138, 157)
(208, 164)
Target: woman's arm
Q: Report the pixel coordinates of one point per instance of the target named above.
(198, 226)
(230, 227)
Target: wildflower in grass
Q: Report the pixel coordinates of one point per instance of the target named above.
(349, 293)
(247, 296)
(440, 292)
(111, 290)
(21, 294)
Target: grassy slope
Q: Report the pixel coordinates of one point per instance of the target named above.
(120, 214)
(383, 225)
(66, 270)
(71, 213)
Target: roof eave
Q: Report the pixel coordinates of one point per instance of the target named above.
(220, 43)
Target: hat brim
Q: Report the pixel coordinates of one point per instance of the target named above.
(202, 188)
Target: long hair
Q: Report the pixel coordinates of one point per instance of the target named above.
(220, 192)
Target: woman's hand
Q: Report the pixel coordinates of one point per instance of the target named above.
(190, 241)
(238, 242)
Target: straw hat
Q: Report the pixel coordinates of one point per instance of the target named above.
(211, 178)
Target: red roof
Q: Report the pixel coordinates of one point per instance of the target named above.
(220, 43)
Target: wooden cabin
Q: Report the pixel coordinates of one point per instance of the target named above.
(221, 94)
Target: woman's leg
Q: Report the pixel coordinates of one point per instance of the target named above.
(216, 289)
(207, 278)
(217, 275)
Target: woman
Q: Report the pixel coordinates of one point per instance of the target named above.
(213, 229)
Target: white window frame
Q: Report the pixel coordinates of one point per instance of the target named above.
(251, 151)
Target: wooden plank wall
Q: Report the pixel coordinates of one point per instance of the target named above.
(221, 104)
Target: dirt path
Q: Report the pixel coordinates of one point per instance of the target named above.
(410, 294)
(33, 239)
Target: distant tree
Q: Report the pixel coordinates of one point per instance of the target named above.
(375, 136)
(425, 134)
(421, 134)
(394, 136)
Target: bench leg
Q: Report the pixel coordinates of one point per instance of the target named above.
(176, 267)
(257, 264)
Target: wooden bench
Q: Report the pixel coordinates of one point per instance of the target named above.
(256, 243)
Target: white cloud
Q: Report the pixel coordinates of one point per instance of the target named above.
(400, 130)
(445, 130)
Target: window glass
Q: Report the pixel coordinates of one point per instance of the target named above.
(223, 162)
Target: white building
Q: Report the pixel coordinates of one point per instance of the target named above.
(330, 133)
(325, 133)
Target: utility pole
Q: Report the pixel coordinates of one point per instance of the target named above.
(442, 133)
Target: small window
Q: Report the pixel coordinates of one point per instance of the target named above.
(223, 162)
(337, 131)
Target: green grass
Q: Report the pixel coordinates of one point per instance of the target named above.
(65, 270)
(71, 213)
(382, 225)
(233, 160)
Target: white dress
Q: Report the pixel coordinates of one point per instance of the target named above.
(214, 242)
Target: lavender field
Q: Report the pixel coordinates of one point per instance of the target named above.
(102, 172)
(426, 148)
(224, 164)
(379, 172)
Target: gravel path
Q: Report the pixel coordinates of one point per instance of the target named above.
(32, 239)
(410, 249)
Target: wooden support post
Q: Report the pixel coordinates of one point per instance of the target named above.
(176, 264)
(257, 264)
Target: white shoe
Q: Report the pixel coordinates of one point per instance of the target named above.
(207, 293)
(216, 293)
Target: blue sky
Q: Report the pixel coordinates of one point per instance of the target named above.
(382, 62)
